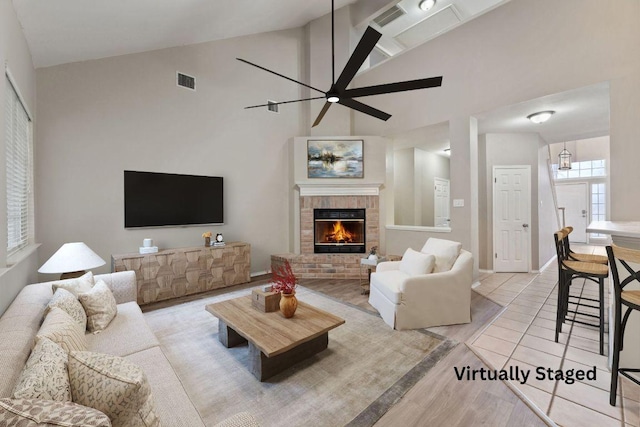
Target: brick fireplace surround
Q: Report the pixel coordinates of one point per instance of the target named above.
(331, 266)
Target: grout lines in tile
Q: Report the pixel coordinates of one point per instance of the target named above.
(525, 330)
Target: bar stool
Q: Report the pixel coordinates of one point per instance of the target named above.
(568, 270)
(631, 300)
(576, 256)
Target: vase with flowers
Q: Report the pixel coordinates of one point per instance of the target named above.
(285, 283)
(207, 238)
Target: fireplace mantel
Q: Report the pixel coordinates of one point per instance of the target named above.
(311, 190)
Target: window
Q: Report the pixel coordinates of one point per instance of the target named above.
(19, 167)
(588, 169)
(598, 204)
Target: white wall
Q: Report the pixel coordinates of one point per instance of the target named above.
(414, 172)
(519, 51)
(547, 217)
(432, 166)
(318, 73)
(506, 150)
(583, 149)
(98, 118)
(625, 150)
(14, 52)
(463, 138)
(404, 186)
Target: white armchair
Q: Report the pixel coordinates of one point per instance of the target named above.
(412, 301)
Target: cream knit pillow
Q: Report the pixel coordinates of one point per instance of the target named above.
(100, 306)
(83, 283)
(416, 263)
(45, 374)
(60, 328)
(69, 303)
(39, 412)
(112, 385)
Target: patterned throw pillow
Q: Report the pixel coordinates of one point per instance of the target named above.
(37, 413)
(45, 374)
(100, 306)
(112, 385)
(60, 328)
(69, 303)
(83, 283)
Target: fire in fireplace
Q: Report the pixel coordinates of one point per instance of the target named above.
(339, 231)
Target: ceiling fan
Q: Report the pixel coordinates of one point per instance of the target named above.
(338, 93)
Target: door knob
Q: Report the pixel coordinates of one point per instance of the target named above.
(525, 225)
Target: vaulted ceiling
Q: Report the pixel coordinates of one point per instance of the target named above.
(63, 31)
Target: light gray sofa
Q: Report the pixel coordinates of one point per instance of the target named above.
(128, 336)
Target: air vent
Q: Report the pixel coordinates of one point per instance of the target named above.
(272, 106)
(186, 81)
(389, 15)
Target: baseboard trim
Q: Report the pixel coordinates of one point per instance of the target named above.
(475, 285)
(486, 271)
(260, 273)
(548, 263)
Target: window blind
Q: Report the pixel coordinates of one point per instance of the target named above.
(18, 156)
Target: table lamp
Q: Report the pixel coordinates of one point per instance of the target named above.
(72, 259)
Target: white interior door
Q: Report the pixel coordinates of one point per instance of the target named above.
(511, 218)
(441, 202)
(575, 199)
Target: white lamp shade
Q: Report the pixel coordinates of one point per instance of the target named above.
(72, 257)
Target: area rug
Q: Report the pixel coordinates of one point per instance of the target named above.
(365, 370)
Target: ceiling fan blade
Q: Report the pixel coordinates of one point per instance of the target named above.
(324, 110)
(284, 102)
(394, 87)
(363, 108)
(364, 48)
(279, 75)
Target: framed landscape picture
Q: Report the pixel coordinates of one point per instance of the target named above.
(335, 159)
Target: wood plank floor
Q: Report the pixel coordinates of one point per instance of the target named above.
(438, 399)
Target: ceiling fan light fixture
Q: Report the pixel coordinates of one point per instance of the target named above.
(427, 4)
(338, 93)
(541, 116)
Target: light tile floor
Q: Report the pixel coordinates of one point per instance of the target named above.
(523, 336)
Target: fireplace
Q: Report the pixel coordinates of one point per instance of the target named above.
(339, 231)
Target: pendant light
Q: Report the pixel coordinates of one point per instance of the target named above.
(564, 159)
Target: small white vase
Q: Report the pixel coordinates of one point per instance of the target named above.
(373, 257)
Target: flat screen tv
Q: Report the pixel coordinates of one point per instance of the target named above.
(164, 199)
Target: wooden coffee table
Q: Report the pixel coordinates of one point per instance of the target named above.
(275, 343)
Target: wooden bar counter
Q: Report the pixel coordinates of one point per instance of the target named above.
(625, 234)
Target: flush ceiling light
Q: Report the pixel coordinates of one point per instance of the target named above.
(427, 4)
(541, 116)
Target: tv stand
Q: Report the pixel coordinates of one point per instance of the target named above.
(172, 273)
